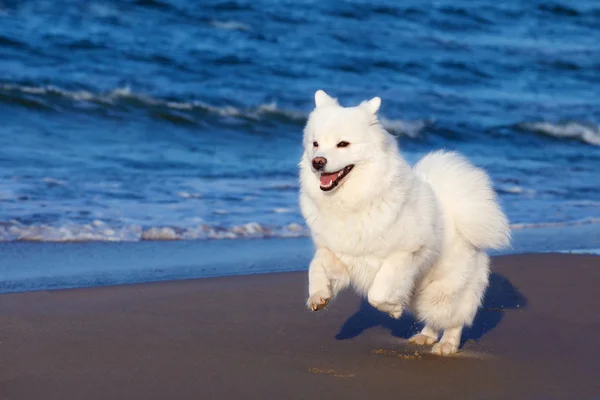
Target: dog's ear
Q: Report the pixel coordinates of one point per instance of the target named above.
(323, 99)
(373, 105)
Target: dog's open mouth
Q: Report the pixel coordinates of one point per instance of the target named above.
(331, 180)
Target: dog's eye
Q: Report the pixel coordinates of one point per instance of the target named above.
(315, 144)
(343, 144)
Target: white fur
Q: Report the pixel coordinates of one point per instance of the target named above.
(407, 238)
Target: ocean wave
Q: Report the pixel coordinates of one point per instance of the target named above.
(100, 231)
(11, 42)
(530, 225)
(412, 129)
(78, 95)
(559, 9)
(113, 97)
(582, 251)
(586, 133)
(187, 195)
(185, 111)
(231, 25)
(283, 210)
(266, 111)
(514, 190)
(583, 203)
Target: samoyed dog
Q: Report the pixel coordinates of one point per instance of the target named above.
(407, 238)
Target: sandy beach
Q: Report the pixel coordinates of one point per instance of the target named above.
(537, 336)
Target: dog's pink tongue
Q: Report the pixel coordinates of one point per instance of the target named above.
(326, 179)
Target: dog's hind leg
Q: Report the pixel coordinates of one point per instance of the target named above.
(426, 337)
(455, 309)
(327, 276)
(449, 343)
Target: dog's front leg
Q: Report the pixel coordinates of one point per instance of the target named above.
(393, 283)
(327, 276)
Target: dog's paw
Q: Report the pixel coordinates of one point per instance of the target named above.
(396, 312)
(444, 349)
(393, 310)
(422, 340)
(318, 301)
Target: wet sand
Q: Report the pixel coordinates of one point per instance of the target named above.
(247, 337)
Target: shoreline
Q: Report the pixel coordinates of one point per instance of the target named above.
(536, 336)
(28, 266)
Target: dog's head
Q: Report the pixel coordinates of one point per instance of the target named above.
(341, 143)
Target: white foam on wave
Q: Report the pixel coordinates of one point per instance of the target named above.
(283, 210)
(164, 233)
(187, 195)
(529, 225)
(582, 251)
(96, 231)
(255, 113)
(412, 129)
(231, 25)
(78, 95)
(53, 181)
(586, 133)
(102, 10)
(515, 189)
(100, 231)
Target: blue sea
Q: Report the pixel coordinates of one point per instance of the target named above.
(177, 119)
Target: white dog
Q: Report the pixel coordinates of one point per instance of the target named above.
(407, 238)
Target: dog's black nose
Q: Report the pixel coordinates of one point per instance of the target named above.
(319, 163)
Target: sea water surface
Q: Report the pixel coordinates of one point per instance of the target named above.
(177, 119)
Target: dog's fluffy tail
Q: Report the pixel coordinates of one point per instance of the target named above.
(466, 194)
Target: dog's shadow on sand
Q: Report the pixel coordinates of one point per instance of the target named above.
(500, 296)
